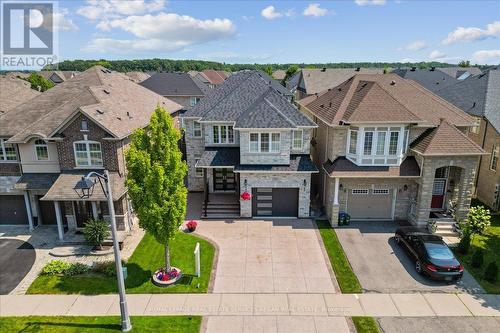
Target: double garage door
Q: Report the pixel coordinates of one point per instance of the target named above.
(283, 202)
(366, 204)
(13, 210)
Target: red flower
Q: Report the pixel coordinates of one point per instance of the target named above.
(191, 225)
(246, 196)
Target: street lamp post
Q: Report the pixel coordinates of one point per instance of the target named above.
(86, 186)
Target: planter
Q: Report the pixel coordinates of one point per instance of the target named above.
(165, 283)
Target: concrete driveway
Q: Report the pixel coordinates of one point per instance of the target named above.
(16, 259)
(269, 256)
(383, 266)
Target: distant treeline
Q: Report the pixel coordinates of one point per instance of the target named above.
(168, 65)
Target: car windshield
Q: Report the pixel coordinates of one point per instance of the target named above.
(438, 251)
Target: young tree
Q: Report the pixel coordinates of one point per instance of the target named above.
(38, 82)
(268, 70)
(155, 179)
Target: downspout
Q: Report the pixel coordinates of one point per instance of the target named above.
(129, 210)
(480, 159)
(324, 160)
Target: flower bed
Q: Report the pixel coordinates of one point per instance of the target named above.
(162, 278)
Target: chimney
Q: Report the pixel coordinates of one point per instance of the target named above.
(433, 69)
(413, 69)
(323, 69)
(358, 69)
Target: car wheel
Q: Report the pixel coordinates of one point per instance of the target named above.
(418, 267)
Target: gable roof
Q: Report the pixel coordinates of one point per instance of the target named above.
(13, 92)
(457, 71)
(279, 74)
(137, 76)
(432, 80)
(478, 95)
(109, 98)
(174, 84)
(383, 97)
(215, 77)
(249, 99)
(314, 81)
(445, 139)
(60, 76)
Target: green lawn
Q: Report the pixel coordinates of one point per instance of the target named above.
(365, 325)
(99, 324)
(490, 243)
(147, 258)
(348, 282)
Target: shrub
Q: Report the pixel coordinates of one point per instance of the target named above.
(491, 272)
(55, 267)
(107, 268)
(95, 232)
(464, 244)
(477, 258)
(478, 219)
(76, 268)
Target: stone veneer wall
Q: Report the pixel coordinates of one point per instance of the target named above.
(283, 157)
(277, 180)
(194, 149)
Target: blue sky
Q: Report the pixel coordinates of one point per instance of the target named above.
(281, 31)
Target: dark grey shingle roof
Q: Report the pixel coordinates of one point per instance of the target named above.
(431, 80)
(36, 181)
(219, 157)
(298, 163)
(173, 84)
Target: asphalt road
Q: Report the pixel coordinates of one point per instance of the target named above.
(16, 259)
(439, 324)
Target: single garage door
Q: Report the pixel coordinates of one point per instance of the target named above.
(13, 210)
(365, 204)
(275, 201)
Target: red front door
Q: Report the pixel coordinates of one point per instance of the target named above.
(438, 193)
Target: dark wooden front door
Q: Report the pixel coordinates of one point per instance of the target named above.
(47, 211)
(224, 180)
(438, 193)
(83, 212)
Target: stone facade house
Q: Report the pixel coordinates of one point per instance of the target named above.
(245, 140)
(479, 96)
(388, 149)
(83, 124)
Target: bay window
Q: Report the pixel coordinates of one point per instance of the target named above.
(87, 154)
(377, 145)
(223, 134)
(264, 142)
(7, 151)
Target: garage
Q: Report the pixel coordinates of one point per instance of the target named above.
(283, 202)
(370, 204)
(12, 210)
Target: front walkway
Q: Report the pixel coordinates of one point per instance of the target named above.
(269, 256)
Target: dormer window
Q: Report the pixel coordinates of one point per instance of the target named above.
(377, 145)
(41, 150)
(84, 126)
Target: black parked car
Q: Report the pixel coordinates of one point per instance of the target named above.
(432, 256)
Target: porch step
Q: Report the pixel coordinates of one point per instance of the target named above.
(446, 230)
(221, 210)
(444, 220)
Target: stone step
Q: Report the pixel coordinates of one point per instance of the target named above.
(221, 216)
(447, 233)
(445, 227)
(445, 221)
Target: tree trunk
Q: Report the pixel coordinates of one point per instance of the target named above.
(167, 257)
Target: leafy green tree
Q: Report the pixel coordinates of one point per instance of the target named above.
(464, 63)
(37, 81)
(155, 179)
(269, 70)
(478, 220)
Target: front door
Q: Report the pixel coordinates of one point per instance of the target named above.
(438, 193)
(83, 212)
(224, 180)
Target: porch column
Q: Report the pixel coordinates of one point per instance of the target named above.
(205, 192)
(336, 193)
(465, 186)
(28, 210)
(94, 210)
(59, 220)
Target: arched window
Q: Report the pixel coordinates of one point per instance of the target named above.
(88, 154)
(41, 150)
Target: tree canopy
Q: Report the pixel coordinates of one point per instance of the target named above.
(38, 82)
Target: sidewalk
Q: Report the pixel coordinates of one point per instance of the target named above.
(332, 305)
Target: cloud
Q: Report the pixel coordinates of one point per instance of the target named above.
(462, 34)
(162, 32)
(270, 13)
(436, 54)
(111, 9)
(370, 2)
(63, 23)
(314, 10)
(414, 46)
(486, 57)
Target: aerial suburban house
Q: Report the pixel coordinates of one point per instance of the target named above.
(245, 140)
(14, 91)
(179, 87)
(389, 149)
(479, 96)
(52, 141)
(315, 81)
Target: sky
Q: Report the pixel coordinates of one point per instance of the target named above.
(281, 31)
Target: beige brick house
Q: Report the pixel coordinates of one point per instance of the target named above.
(388, 149)
(80, 125)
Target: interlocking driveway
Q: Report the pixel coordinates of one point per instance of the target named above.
(269, 256)
(383, 266)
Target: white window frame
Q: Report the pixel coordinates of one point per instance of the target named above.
(373, 135)
(193, 101)
(3, 152)
(477, 125)
(380, 191)
(196, 169)
(494, 157)
(195, 129)
(219, 134)
(87, 144)
(41, 145)
(259, 141)
(360, 191)
(294, 140)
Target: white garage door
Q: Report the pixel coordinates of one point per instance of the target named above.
(366, 204)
